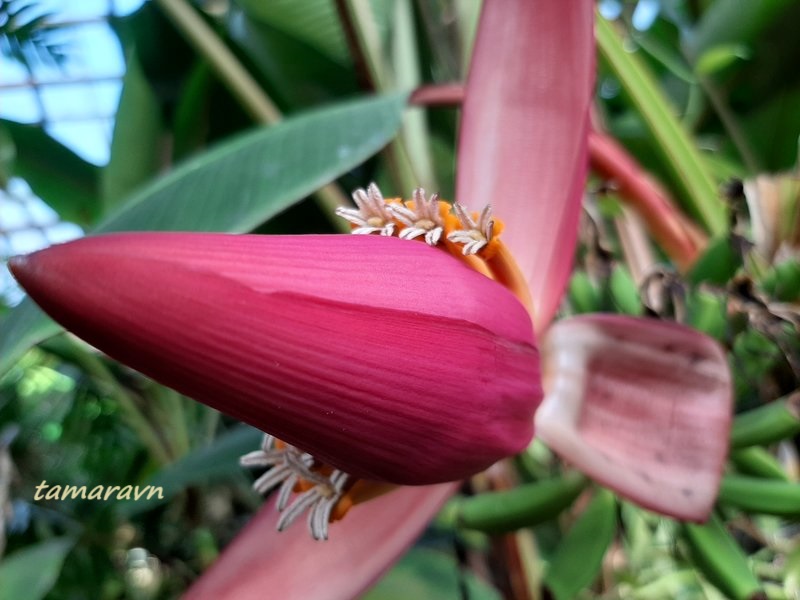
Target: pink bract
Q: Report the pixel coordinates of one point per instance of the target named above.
(260, 564)
(523, 143)
(385, 358)
(642, 406)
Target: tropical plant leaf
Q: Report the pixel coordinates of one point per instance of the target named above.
(23, 327)
(296, 74)
(238, 185)
(314, 21)
(430, 574)
(66, 182)
(31, 572)
(773, 128)
(213, 462)
(700, 193)
(137, 135)
(732, 21)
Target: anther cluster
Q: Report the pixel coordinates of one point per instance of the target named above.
(428, 218)
(314, 489)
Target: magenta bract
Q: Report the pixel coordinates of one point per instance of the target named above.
(385, 358)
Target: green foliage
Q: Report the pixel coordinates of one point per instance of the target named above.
(32, 572)
(718, 264)
(25, 327)
(782, 281)
(138, 138)
(55, 173)
(314, 23)
(583, 295)
(624, 293)
(295, 70)
(707, 314)
(430, 574)
(212, 463)
(270, 168)
(679, 152)
(757, 461)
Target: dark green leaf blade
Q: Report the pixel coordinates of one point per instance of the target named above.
(24, 327)
(237, 186)
(718, 264)
(425, 574)
(315, 22)
(243, 182)
(295, 74)
(213, 462)
(672, 140)
(137, 135)
(731, 21)
(31, 572)
(66, 182)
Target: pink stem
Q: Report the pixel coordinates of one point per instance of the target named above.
(445, 94)
(679, 237)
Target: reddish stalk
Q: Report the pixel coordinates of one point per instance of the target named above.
(679, 237)
(445, 94)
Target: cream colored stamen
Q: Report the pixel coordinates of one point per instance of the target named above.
(372, 215)
(292, 468)
(474, 235)
(319, 501)
(422, 218)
